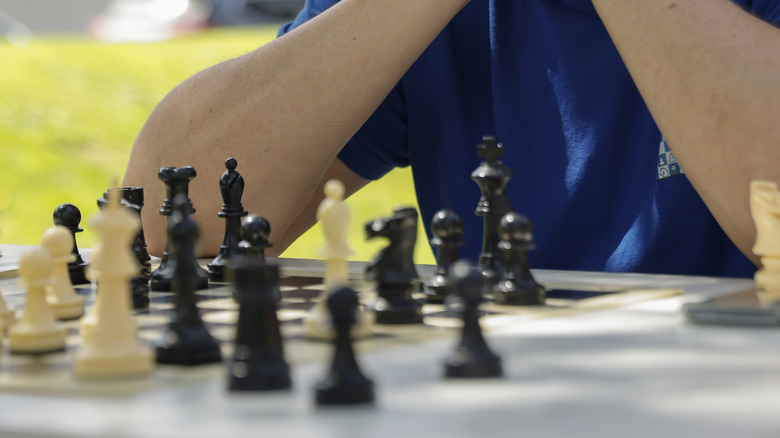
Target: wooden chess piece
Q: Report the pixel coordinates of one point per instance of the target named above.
(345, 383)
(231, 187)
(109, 340)
(492, 177)
(334, 217)
(37, 330)
(765, 209)
(7, 315)
(254, 234)
(61, 296)
(176, 181)
(69, 216)
(393, 269)
(517, 285)
(472, 357)
(447, 231)
(186, 341)
(133, 199)
(258, 357)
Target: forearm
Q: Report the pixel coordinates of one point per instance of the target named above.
(284, 110)
(708, 72)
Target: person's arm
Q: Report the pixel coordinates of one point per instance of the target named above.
(709, 73)
(283, 111)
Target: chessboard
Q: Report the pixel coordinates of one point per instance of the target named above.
(301, 287)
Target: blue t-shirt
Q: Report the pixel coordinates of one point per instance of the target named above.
(591, 169)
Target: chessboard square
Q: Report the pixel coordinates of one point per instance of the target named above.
(221, 317)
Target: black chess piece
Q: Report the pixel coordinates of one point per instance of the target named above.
(345, 383)
(133, 199)
(186, 340)
(517, 285)
(492, 177)
(393, 269)
(472, 357)
(254, 237)
(258, 358)
(69, 216)
(447, 231)
(231, 187)
(177, 181)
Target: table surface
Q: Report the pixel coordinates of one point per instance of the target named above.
(638, 370)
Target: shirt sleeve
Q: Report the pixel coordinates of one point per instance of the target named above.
(767, 10)
(380, 144)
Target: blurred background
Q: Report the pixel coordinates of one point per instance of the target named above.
(78, 78)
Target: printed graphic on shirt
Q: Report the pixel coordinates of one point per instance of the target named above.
(667, 164)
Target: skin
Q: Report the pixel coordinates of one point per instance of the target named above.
(707, 70)
(708, 73)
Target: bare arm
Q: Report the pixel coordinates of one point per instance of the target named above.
(708, 71)
(283, 111)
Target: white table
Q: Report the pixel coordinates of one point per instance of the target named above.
(636, 371)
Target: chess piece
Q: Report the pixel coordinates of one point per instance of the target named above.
(492, 177)
(393, 269)
(186, 340)
(60, 295)
(447, 231)
(517, 285)
(7, 315)
(258, 357)
(472, 357)
(69, 216)
(254, 234)
(333, 215)
(765, 208)
(109, 345)
(254, 237)
(133, 199)
(176, 183)
(37, 331)
(345, 382)
(231, 187)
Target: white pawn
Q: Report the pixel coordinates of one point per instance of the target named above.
(37, 331)
(109, 339)
(334, 217)
(62, 298)
(765, 209)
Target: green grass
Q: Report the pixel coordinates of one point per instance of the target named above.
(70, 108)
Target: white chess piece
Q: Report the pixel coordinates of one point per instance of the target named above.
(37, 330)
(109, 339)
(334, 217)
(61, 295)
(765, 209)
(7, 315)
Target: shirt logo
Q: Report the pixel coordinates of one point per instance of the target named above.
(667, 164)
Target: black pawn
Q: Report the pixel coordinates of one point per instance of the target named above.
(69, 216)
(186, 340)
(133, 199)
(258, 359)
(472, 357)
(345, 384)
(254, 238)
(517, 285)
(393, 269)
(447, 231)
(176, 181)
(492, 177)
(231, 187)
